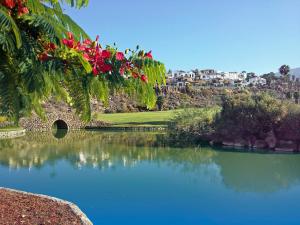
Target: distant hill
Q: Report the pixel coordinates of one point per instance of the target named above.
(296, 72)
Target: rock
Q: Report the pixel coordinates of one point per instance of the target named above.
(260, 144)
(228, 143)
(286, 146)
(240, 143)
(271, 140)
(94, 124)
(284, 149)
(12, 134)
(177, 103)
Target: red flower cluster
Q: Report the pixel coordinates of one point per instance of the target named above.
(49, 49)
(16, 4)
(149, 55)
(105, 61)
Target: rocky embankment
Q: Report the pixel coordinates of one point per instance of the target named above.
(275, 141)
(173, 99)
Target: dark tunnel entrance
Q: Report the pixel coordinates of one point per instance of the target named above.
(60, 129)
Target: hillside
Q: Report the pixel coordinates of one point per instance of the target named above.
(296, 72)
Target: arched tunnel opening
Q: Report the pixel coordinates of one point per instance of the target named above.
(60, 129)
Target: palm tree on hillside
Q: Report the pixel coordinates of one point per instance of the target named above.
(284, 71)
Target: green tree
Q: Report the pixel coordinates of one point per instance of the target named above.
(269, 77)
(250, 75)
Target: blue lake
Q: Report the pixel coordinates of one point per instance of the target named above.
(135, 178)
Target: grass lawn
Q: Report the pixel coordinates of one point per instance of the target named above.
(137, 119)
(5, 129)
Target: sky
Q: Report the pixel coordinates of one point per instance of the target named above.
(228, 35)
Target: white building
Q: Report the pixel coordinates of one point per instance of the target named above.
(209, 74)
(243, 75)
(231, 75)
(257, 81)
(182, 74)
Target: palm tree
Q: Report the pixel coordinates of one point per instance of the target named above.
(284, 70)
(27, 30)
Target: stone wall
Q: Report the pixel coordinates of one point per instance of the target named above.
(57, 111)
(35, 123)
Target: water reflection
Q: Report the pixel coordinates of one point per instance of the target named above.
(245, 172)
(59, 133)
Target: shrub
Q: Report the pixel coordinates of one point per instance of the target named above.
(243, 116)
(246, 114)
(3, 119)
(192, 125)
(160, 102)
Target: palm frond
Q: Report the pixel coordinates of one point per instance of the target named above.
(7, 24)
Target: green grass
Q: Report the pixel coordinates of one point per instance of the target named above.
(138, 119)
(5, 129)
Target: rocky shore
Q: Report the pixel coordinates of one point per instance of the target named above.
(271, 142)
(18, 207)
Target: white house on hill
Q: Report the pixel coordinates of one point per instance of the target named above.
(257, 81)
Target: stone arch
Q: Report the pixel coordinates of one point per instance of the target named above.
(62, 119)
(55, 111)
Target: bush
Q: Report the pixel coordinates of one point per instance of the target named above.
(243, 116)
(3, 119)
(192, 125)
(160, 102)
(5, 123)
(246, 114)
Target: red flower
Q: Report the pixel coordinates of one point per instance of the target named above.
(9, 3)
(52, 46)
(64, 41)
(69, 43)
(135, 75)
(105, 54)
(22, 10)
(106, 68)
(70, 36)
(25, 10)
(120, 56)
(43, 57)
(144, 78)
(80, 47)
(122, 70)
(149, 55)
(87, 42)
(86, 56)
(95, 71)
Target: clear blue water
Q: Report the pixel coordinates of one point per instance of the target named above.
(132, 178)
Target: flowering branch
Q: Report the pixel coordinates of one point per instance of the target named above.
(108, 61)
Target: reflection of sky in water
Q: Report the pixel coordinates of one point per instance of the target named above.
(119, 178)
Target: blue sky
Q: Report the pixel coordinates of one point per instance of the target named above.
(228, 35)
